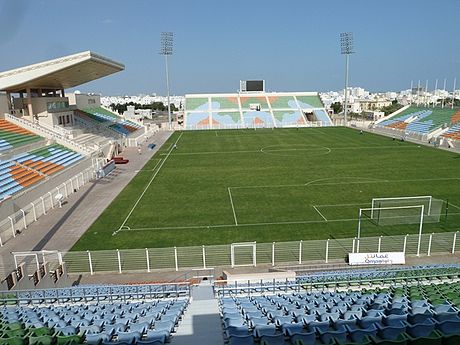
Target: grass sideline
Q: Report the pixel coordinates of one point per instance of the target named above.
(267, 185)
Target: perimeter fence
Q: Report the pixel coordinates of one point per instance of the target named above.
(254, 254)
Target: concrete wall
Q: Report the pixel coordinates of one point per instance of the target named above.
(3, 105)
(83, 101)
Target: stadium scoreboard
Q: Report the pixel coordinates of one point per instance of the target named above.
(252, 85)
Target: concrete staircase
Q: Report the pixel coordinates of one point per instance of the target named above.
(201, 323)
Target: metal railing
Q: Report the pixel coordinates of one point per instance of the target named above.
(97, 293)
(11, 226)
(268, 254)
(49, 134)
(256, 126)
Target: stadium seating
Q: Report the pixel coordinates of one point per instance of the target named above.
(49, 159)
(195, 104)
(14, 177)
(28, 168)
(198, 120)
(421, 119)
(253, 110)
(322, 116)
(288, 118)
(114, 122)
(227, 119)
(257, 119)
(104, 314)
(282, 102)
(453, 132)
(307, 102)
(417, 311)
(218, 103)
(247, 101)
(12, 136)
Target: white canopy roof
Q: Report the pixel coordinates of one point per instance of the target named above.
(61, 73)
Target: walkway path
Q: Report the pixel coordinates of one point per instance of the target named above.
(62, 227)
(201, 323)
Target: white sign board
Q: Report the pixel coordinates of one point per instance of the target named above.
(387, 258)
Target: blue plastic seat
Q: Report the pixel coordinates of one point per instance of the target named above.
(395, 320)
(237, 330)
(154, 335)
(261, 330)
(421, 329)
(367, 321)
(128, 337)
(241, 340)
(327, 335)
(359, 335)
(273, 339)
(96, 338)
(390, 332)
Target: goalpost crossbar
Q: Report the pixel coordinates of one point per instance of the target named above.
(428, 198)
(420, 226)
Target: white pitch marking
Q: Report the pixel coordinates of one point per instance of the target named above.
(340, 205)
(145, 189)
(263, 150)
(325, 219)
(450, 204)
(367, 180)
(242, 225)
(233, 207)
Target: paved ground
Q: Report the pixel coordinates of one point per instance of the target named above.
(201, 323)
(62, 227)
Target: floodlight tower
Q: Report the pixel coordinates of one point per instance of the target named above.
(346, 48)
(166, 49)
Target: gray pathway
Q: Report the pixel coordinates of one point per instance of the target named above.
(62, 227)
(201, 323)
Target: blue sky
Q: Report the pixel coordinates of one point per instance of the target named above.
(292, 44)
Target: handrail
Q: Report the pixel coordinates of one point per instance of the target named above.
(49, 133)
(95, 292)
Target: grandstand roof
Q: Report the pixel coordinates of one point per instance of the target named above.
(61, 73)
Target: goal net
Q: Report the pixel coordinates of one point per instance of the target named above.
(393, 215)
(403, 210)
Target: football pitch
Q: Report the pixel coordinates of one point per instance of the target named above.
(264, 185)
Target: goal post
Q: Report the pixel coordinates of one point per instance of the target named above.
(425, 200)
(379, 216)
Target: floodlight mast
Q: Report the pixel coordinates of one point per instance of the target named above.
(166, 49)
(346, 48)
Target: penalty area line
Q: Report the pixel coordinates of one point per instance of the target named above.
(325, 219)
(240, 225)
(233, 206)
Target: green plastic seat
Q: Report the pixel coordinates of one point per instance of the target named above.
(13, 326)
(435, 338)
(12, 341)
(69, 339)
(41, 340)
(8, 333)
(37, 332)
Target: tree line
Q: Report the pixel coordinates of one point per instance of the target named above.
(155, 106)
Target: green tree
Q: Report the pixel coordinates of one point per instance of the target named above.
(392, 108)
(336, 107)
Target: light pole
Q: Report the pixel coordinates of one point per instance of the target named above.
(166, 49)
(346, 48)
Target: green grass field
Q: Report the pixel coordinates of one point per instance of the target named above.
(272, 185)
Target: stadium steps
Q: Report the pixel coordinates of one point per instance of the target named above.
(201, 323)
(12, 136)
